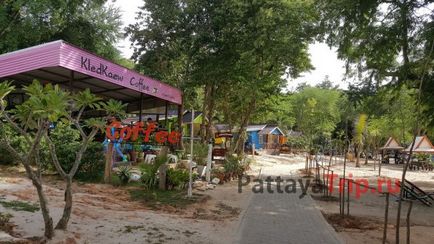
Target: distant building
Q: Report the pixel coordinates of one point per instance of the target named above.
(422, 145)
(264, 136)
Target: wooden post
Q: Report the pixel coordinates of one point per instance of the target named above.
(180, 113)
(166, 121)
(108, 163)
(208, 163)
(386, 218)
(340, 203)
(408, 221)
(162, 177)
(140, 107)
(348, 198)
(341, 196)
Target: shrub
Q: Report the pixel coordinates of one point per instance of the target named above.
(177, 178)
(124, 174)
(16, 141)
(92, 164)
(232, 167)
(67, 142)
(200, 152)
(149, 176)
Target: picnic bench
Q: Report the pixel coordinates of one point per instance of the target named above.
(413, 192)
(421, 165)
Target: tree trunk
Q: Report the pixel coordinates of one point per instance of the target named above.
(366, 156)
(239, 145)
(210, 114)
(63, 222)
(358, 158)
(205, 111)
(48, 221)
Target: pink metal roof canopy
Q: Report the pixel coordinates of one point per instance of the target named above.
(61, 63)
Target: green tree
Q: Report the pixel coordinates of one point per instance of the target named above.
(317, 112)
(32, 120)
(92, 25)
(233, 50)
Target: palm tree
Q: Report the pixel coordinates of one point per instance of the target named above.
(358, 140)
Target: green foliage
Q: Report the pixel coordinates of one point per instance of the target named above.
(385, 44)
(300, 142)
(92, 164)
(277, 109)
(44, 103)
(233, 52)
(359, 129)
(200, 152)
(124, 174)
(67, 142)
(316, 111)
(20, 206)
(114, 108)
(17, 141)
(235, 166)
(86, 99)
(149, 176)
(177, 178)
(93, 25)
(6, 87)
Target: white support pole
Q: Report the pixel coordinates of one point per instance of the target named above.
(190, 181)
(208, 163)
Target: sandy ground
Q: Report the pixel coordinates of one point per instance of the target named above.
(105, 214)
(370, 207)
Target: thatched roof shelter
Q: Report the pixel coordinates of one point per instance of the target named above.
(421, 145)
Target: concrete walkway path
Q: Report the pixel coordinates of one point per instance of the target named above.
(284, 218)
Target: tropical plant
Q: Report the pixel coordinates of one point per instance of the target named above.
(45, 106)
(200, 152)
(177, 178)
(233, 167)
(149, 176)
(359, 136)
(124, 174)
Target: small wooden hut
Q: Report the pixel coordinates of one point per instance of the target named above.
(392, 149)
(422, 146)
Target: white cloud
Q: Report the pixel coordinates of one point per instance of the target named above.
(326, 63)
(129, 9)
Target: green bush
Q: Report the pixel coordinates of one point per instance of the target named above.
(124, 174)
(200, 152)
(233, 167)
(5, 157)
(92, 164)
(18, 142)
(177, 178)
(149, 176)
(67, 141)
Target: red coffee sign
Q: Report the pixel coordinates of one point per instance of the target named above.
(115, 131)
